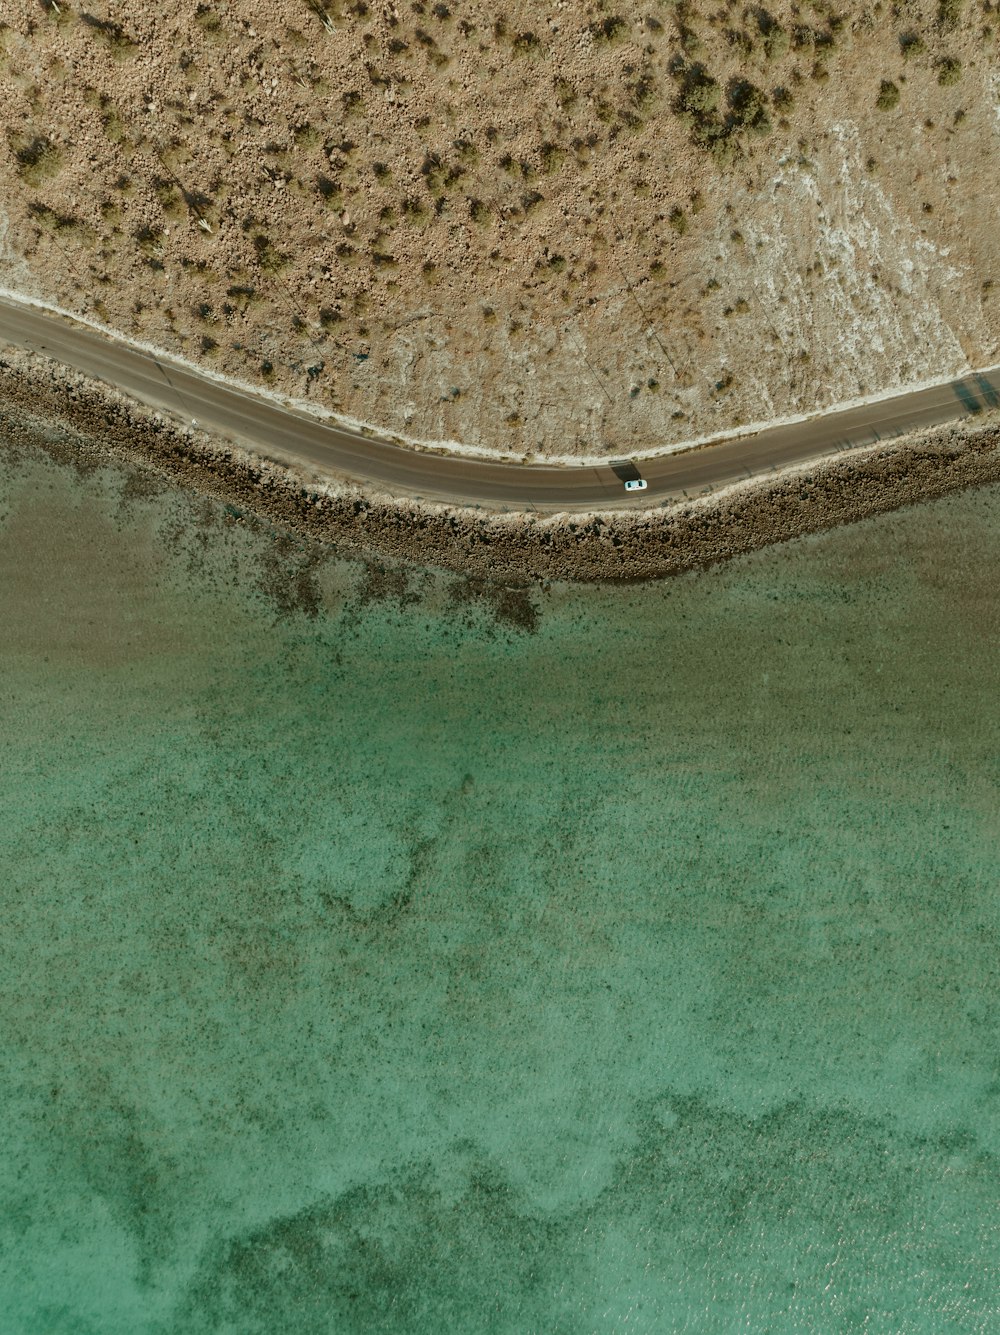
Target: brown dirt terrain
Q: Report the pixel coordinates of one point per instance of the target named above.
(574, 229)
(81, 422)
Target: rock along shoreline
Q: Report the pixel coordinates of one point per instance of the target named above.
(80, 420)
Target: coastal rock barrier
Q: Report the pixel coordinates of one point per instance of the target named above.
(82, 421)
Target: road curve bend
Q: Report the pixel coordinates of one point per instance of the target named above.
(263, 425)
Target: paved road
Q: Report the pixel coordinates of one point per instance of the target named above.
(281, 433)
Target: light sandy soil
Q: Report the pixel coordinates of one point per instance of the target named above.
(570, 229)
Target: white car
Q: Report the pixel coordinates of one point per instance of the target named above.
(636, 484)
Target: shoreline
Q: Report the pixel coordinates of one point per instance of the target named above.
(83, 421)
(423, 445)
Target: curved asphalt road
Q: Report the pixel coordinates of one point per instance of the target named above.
(281, 433)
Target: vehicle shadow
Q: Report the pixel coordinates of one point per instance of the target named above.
(624, 470)
(989, 391)
(966, 397)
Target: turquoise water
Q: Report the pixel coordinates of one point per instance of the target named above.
(381, 953)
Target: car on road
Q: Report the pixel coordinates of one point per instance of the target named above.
(636, 484)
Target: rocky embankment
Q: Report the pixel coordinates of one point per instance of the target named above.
(81, 421)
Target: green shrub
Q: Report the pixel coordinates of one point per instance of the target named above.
(724, 152)
(413, 209)
(329, 191)
(268, 255)
(643, 91)
(526, 44)
(888, 96)
(776, 42)
(51, 221)
(168, 197)
(113, 35)
(207, 19)
(741, 42)
(949, 71)
(60, 12)
(305, 136)
(748, 107)
(37, 158)
(613, 29)
(700, 94)
(566, 94)
(325, 13)
(949, 12)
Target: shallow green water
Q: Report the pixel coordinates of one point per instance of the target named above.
(372, 961)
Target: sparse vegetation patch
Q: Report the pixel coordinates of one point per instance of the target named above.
(686, 197)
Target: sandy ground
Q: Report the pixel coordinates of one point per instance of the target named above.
(567, 231)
